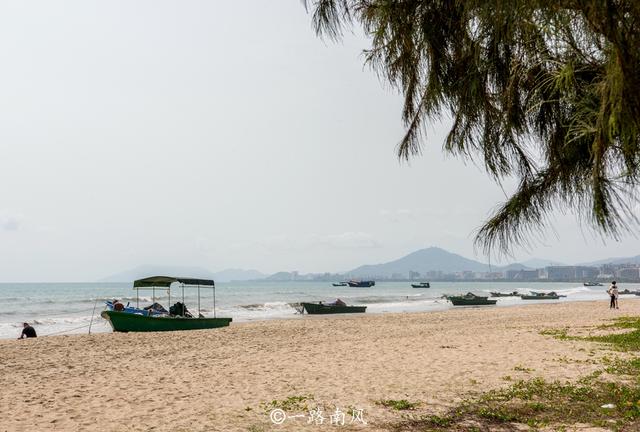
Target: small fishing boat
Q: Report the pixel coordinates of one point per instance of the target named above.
(339, 284)
(541, 296)
(591, 284)
(321, 308)
(153, 318)
(361, 284)
(470, 299)
(627, 292)
(499, 294)
(421, 285)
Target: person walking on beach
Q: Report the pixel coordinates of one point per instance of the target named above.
(27, 331)
(613, 293)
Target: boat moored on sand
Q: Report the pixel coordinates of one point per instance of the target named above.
(541, 296)
(155, 317)
(336, 307)
(470, 299)
(499, 294)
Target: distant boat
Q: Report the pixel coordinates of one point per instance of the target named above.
(470, 299)
(339, 284)
(499, 294)
(331, 308)
(421, 285)
(541, 296)
(589, 284)
(361, 284)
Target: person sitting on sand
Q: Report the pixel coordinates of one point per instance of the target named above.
(613, 293)
(27, 331)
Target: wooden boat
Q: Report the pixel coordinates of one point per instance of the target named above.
(470, 299)
(541, 296)
(128, 322)
(499, 294)
(339, 284)
(326, 308)
(421, 285)
(130, 319)
(628, 292)
(590, 284)
(361, 284)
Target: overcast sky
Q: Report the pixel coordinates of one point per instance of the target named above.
(217, 134)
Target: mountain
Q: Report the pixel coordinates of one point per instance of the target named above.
(229, 275)
(615, 260)
(184, 271)
(536, 263)
(423, 260)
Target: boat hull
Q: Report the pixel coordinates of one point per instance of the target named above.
(127, 322)
(363, 284)
(427, 285)
(471, 302)
(322, 309)
(533, 297)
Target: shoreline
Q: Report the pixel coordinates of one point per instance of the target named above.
(224, 379)
(437, 307)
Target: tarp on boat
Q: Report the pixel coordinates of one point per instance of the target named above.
(166, 281)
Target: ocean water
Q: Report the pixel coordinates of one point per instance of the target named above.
(68, 308)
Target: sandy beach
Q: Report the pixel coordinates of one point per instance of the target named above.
(225, 379)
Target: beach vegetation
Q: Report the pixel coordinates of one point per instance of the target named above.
(611, 402)
(621, 341)
(398, 405)
(543, 92)
(290, 404)
(520, 368)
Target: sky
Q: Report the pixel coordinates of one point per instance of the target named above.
(222, 135)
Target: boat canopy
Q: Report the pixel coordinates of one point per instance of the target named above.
(166, 281)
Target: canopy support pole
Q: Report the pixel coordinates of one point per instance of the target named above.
(198, 300)
(182, 299)
(214, 301)
(137, 298)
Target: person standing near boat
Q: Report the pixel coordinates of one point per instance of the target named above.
(613, 293)
(27, 331)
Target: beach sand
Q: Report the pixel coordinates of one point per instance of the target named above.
(224, 379)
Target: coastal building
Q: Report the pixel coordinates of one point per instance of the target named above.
(628, 273)
(569, 273)
(524, 275)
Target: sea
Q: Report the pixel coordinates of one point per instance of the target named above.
(74, 308)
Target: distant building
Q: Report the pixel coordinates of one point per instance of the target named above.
(569, 273)
(628, 273)
(524, 275)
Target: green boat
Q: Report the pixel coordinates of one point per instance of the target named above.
(128, 322)
(146, 320)
(325, 308)
(470, 299)
(541, 296)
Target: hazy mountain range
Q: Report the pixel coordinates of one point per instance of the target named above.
(422, 261)
(227, 275)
